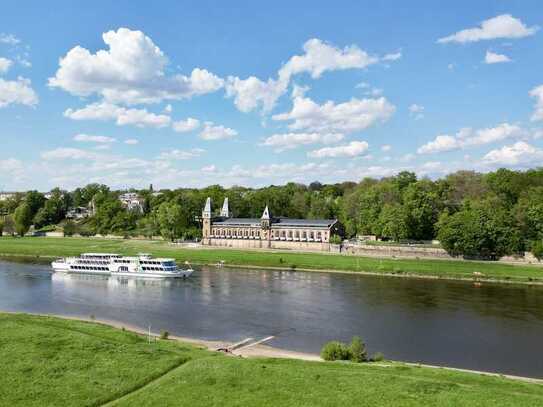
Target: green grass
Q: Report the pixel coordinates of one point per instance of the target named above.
(48, 361)
(34, 246)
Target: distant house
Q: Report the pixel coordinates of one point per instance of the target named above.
(4, 196)
(132, 201)
(79, 212)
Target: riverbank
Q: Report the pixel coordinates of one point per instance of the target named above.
(41, 247)
(60, 362)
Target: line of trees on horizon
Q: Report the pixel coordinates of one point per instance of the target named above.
(472, 214)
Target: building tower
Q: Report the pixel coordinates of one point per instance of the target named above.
(206, 221)
(225, 211)
(265, 224)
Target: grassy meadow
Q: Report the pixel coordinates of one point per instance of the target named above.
(51, 247)
(48, 361)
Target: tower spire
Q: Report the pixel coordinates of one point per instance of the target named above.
(206, 213)
(225, 211)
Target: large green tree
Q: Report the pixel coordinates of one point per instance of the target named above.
(23, 218)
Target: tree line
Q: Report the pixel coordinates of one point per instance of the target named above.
(471, 214)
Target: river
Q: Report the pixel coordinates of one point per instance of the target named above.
(496, 328)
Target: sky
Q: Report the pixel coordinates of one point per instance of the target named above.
(189, 94)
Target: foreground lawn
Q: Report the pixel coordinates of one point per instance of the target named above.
(54, 362)
(36, 246)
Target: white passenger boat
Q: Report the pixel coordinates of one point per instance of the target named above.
(142, 265)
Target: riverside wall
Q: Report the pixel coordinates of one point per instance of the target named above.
(413, 252)
(268, 244)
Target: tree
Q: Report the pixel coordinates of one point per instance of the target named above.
(23, 218)
(422, 206)
(482, 229)
(35, 200)
(1, 227)
(170, 216)
(9, 225)
(392, 222)
(70, 228)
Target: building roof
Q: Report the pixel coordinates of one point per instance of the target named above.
(281, 222)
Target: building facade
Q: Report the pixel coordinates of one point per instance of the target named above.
(266, 232)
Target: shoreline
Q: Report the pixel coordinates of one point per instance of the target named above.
(44, 259)
(265, 351)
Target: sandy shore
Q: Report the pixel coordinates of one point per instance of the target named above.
(265, 351)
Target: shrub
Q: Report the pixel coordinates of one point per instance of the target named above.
(358, 350)
(537, 249)
(70, 228)
(336, 351)
(335, 239)
(1, 227)
(378, 357)
(164, 334)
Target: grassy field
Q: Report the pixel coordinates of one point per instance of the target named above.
(51, 247)
(48, 361)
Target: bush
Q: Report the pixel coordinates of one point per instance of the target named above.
(164, 334)
(336, 351)
(70, 228)
(335, 239)
(537, 249)
(358, 350)
(378, 357)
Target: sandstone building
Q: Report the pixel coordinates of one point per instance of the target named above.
(267, 232)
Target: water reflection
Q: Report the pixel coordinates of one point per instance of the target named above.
(497, 328)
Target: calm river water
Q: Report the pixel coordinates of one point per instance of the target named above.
(493, 328)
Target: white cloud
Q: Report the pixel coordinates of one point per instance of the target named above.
(318, 57)
(181, 154)
(123, 116)
(502, 26)
(467, 137)
(5, 64)
(131, 141)
(11, 164)
(183, 126)
(131, 71)
(9, 39)
(494, 58)
(362, 85)
(63, 153)
(351, 116)
(86, 138)
(518, 154)
(353, 149)
(281, 142)
(386, 147)
(212, 132)
(393, 56)
(537, 93)
(416, 111)
(17, 92)
(168, 108)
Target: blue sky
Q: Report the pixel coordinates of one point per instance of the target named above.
(185, 94)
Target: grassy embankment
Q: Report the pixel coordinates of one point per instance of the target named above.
(51, 247)
(49, 361)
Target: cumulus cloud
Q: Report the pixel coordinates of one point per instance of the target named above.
(213, 132)
(353, 149)
(347, 117)
(494, 58)
(17, 92)
(537, 93)
(502, 26)
(131, 71)
(123, 116)
(318, 58)
(181, 154)
(87, 138)
(5, 64)
(281, 142)
(518, 154)
(184, 126)
(468, 137)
